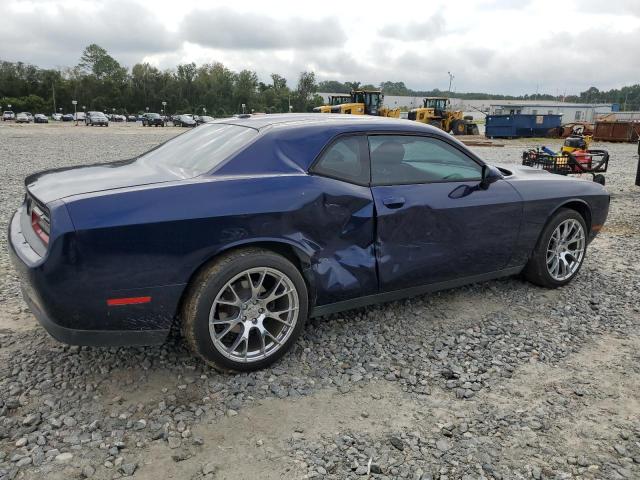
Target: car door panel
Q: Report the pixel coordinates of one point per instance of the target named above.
(433, 238)
(435, 231)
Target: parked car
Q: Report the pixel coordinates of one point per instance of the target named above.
(118, 118)
(184, 121)
(79, 116)
(96, 118)
(132, 118)
(23, 117)
(67, 117)
(243, 228)
(204, 119)
(8, 115)
(40, 118)
(30, 115)
(152, 119)
(56, 117)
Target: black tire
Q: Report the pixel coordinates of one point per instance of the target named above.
(475, 130)
(436, 123)
(536, 270)
(207, 285)
(459, 127)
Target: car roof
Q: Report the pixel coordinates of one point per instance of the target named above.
(287, 140)
(314, 121)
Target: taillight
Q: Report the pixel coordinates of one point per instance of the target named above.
(40, 223)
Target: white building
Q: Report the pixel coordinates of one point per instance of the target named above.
(571, 112)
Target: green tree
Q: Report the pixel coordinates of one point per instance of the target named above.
(306, 89)
(245, 91)
(333, 86)
(352, 85)
(97, 61)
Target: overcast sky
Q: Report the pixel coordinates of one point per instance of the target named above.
(497, 46)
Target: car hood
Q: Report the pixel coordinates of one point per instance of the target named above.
(524, 172)
(55, 184)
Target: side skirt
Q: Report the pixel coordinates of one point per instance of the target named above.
(359, 302)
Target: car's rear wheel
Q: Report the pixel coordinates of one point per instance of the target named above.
(245, 310)
(560, 251)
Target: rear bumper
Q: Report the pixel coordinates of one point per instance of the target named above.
(94, 338)
(57, 312)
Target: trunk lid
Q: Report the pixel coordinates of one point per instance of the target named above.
(59, 183)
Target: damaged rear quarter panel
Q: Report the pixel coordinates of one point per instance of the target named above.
(161, 236)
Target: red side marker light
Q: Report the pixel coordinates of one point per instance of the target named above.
(114, 302)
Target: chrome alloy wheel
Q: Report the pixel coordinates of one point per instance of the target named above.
(565, 250)
(254, 314)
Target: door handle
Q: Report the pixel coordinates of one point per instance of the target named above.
(393, 202)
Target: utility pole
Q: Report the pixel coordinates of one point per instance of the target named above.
(53, 89)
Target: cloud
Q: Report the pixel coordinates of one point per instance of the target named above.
(482, 44)
(57, 35)
(431, 28)
(619, 7)
(228, 29)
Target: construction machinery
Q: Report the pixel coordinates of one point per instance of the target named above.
(334, 100)
(365, 102)
(436, 111)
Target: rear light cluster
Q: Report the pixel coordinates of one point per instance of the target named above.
(39, 220)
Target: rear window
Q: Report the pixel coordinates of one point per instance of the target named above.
(200, 150)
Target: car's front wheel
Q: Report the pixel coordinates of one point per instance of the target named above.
(560, 251)
(245, 310)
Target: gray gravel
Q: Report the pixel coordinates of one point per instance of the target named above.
(495, 380)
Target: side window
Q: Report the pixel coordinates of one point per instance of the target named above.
(398, 159)
(345, 159)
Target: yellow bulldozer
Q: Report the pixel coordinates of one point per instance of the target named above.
(363, 102)
(334, 100)
(436, 111)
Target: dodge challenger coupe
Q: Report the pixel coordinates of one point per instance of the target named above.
(244, 227)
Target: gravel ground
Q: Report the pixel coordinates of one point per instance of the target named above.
(495, 380)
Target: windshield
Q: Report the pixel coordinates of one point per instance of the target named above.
(154, 115)
(200, 150)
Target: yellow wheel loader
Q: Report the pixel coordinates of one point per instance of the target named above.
(333, 100)
(366, 102)
(436, 111)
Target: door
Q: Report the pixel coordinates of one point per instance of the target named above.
(430, 227)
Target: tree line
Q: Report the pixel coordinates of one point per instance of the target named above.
(99, 82)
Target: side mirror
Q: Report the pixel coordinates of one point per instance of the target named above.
(490, 174)
(462, 191)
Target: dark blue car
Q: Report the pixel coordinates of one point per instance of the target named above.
(243, 228)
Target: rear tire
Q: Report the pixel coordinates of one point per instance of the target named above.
(560, 252)
(253, 295)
